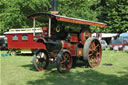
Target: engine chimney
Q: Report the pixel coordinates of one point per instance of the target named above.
(54, 7)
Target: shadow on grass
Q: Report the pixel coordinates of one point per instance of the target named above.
(124, 71)
(84, 77)
(88, 77)
(29, 67)
(32, 67)
(31, 55)
(50, 66)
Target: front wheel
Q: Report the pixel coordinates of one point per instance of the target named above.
(40, 59)
(64, 62)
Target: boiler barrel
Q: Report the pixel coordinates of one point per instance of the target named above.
(53, 45)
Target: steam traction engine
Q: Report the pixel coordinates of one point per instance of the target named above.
(61, 45)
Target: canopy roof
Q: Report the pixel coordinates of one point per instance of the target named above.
(124, 34)
(68, 19)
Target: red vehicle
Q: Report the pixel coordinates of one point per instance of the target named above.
(118, 44)
(63, 46)
(22, 40)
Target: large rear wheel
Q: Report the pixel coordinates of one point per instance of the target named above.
(92, 52)
(64, 62)
(40, 59)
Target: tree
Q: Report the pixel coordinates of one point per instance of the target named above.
(115, 14)
(78, 9)
(13, 13)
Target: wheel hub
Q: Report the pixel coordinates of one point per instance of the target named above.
(40, 59)
(94, 53)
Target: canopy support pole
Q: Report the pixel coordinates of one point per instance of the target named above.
(34, 22)
(49, 31)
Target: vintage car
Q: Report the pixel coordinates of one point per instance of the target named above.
(118, 44)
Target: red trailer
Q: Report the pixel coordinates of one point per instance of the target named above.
(22, 40)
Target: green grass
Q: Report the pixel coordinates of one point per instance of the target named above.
(18, 70)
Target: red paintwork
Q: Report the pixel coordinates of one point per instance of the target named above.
(84, 36)
(78, 21)
(73, 52)
(45, 28)
(73, 47)
(66, 45)
(74, 38)
(70, 47)
(23, 44)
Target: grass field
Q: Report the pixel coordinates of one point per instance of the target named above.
(19, 70)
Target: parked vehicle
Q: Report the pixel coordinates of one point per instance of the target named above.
(118, 44)
(22, 40)
(103, 44)
(124, 36)
(3, 42)
(63, 45)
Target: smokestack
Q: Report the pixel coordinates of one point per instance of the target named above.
(54, 7)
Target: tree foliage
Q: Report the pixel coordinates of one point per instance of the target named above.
(77, 9)
(115, 14)
(13, 13)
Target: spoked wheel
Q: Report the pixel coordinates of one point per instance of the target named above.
(64, 62)
(92, 52)
(40, 59)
